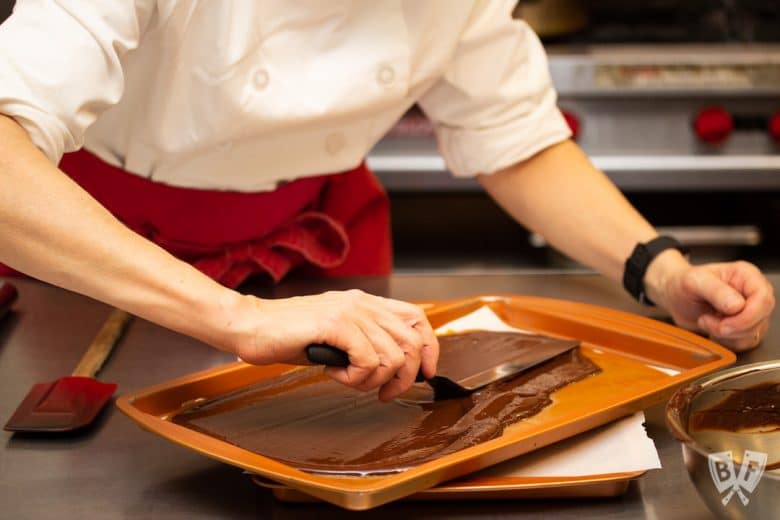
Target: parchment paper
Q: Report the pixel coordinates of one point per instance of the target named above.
(621, 446)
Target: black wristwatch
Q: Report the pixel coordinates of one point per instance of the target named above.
(636, 265)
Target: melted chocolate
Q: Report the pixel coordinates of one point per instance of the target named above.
(756, 408)
(312, 423)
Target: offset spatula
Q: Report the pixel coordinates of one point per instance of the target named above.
(460, 380)
(73, 401)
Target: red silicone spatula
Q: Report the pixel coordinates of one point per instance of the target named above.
(73, 401)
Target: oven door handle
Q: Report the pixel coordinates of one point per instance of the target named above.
(690, 163)
(432, 162)
(695, 236)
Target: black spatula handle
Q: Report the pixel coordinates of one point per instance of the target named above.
(330, 356)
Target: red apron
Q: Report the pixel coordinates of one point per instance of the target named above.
(330, 225)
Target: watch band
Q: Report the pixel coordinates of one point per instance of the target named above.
(637, 263)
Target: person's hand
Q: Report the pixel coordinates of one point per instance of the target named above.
(386, 340)
(731, 302)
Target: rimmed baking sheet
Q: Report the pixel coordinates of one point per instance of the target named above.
(495, 488)
(642, 360)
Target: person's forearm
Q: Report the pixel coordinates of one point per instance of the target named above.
(52, 229)
(559, 194)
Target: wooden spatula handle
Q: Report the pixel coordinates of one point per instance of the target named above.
(101, 346)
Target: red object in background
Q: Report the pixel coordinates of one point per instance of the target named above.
(713, 125)
(774, 127)
(574, 123)
(7, 296)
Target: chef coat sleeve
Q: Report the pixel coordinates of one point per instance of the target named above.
(60, 65)
(495, 104)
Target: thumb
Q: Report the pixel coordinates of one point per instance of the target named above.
(719, 294)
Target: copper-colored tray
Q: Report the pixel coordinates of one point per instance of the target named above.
(625, 346)
(495, 488)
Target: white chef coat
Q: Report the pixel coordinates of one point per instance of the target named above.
(243, 94)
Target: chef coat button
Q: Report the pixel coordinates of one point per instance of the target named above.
(260, 79)
(334, 143)
(385, 75)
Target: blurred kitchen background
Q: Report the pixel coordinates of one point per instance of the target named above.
(678, 102)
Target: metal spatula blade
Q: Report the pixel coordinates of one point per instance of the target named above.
(446, 388)
(72, 402)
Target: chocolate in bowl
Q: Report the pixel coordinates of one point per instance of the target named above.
(723, 422)
(314, 424)
(754, 409)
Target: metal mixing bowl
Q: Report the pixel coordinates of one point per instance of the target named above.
(732, 484)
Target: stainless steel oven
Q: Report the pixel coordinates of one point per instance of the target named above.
(678, 102)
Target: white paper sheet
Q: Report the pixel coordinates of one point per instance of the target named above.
(621, 446)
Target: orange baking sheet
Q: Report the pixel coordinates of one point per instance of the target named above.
(495, 488)
(628, 348)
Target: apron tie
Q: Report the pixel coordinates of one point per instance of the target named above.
(312, 237)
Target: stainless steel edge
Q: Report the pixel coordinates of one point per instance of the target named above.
(422, 171)
(607, 163)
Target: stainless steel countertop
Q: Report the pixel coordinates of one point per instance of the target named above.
(117, 470)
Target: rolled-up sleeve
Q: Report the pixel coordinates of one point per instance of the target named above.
(61, 65)
(495, 105)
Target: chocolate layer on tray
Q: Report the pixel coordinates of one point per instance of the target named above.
(312, 423)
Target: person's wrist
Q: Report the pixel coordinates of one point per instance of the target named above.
(661, 274)
(230, 321)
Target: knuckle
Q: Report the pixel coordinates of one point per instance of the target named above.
(690, 281)
(354, 298)
(415, 349)
(330, 296)
(366, 385)
(415, 313)
(333, 319)
(355, 294)
(340, 376)
(390, 390)
(770, 301)
(744, 344)
(358, 376)
(354, 384)
(409, 339)
(743, 264)
(397, 359)
(372, 362)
